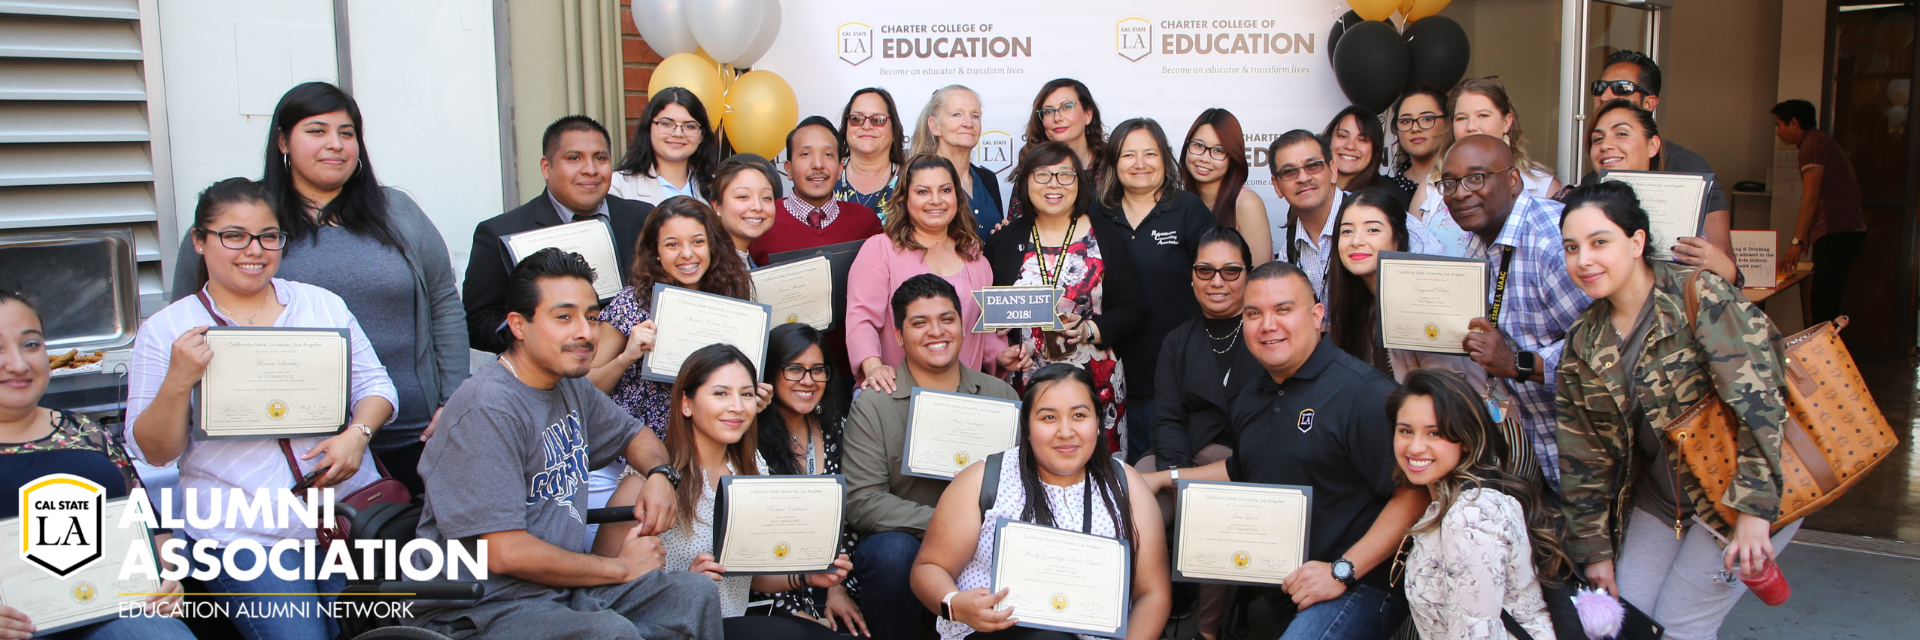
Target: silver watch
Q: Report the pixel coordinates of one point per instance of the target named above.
(363, 429)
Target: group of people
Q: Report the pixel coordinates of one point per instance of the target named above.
(1204, 337)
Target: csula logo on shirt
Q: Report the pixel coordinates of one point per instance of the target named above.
(1305, 423)
(564, 446)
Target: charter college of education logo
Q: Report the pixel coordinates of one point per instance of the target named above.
(1133, 38)
(854, 43)
(60, 525)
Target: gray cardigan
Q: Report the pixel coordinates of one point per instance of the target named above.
(440, 334)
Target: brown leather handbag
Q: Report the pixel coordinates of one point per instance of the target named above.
(1832, 435)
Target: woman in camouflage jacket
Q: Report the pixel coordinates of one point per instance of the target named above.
(1613, 460)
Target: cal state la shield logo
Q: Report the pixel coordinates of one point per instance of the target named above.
(1305, 422)
(1133, 38)
(853, 42)
(60, 523)
(994, 150)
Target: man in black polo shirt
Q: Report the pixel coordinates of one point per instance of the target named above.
(1318, 419)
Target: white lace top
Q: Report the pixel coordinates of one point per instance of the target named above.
(684, 544)
(1478, 562)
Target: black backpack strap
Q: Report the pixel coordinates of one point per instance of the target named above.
(1513, 626)
(990, 483)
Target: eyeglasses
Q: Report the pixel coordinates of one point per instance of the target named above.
(689, 128)
(1620, 87)
(1065, 109)
(796, 373)
(1472, 181)
(861, 120)
(1231, 272)
(1416, 123)
(238, 240)
(1066, 178)
(1217, 153)
(1312, 167)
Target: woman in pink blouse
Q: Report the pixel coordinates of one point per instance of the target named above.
(929, 230)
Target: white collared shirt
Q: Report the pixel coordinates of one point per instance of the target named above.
(1314, 252)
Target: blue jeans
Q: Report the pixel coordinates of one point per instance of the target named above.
(1362, 613)
(135, 628)
(883, 562)
(277, 617)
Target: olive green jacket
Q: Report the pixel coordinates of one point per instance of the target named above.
(1733, 352)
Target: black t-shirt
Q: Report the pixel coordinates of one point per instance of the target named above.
(1327, 428)
(1162, 249)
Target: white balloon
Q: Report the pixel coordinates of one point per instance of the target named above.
(725, 28)
(769, 29)
(663, 23)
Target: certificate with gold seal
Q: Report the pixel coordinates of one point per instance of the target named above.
(269, 382)
(948, 431)
(90, 594)
(1062, 580)
(1427, 301)
(778, 524)
(798, 291)
(1239, 532)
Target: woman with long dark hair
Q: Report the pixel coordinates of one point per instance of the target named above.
(743, 197)
(1420, 122)
(1060, 459)
(1064, 111)
(1213, 165)
(372, 246)
(1369, 223)
(1359, 150)
(672, 153)
(874, 148)
(1624, 137)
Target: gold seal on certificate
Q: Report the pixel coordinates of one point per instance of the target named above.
(1676, 204)
(1238, 532)
(1063, 580)
(686, 320)
(798, 291)
(1426, 301)
(946, 431)
(87, 595)
(267, 382)
(778, 524)
(592, 239)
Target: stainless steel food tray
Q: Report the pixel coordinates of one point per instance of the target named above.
(83, 283)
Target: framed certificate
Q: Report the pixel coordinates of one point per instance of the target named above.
(1676, 204)
(840, 256)
(1239, 532)
(269, 382)
(592, 239)
(1018, 308)
(86, 596)
(947, 431)
(798, 291)
(1426, 301)
(686, 320)
(778, 524)
(1061, 580)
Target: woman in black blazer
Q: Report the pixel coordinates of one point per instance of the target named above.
(1055, 243)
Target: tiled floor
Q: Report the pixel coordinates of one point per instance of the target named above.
(1886, 503)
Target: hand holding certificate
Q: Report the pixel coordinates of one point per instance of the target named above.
(948, 431)
(686, 320)
(778, 524)
(273, 383)
(1062, 580)
(1676, 204)
(88, 595)
(799, 291)
(1241, 533)
(1427, 301)
(592, 239)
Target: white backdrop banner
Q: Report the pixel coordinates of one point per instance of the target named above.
(1264, 60)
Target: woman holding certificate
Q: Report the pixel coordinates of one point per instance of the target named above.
(1071, 568)
(239, 237)
(929, 229)
(672, 152)
(710, 434)
(1626, 138)
(35, 442)
(1642, 525)
(1370, 222)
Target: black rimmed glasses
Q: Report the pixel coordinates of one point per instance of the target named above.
(689, 128)
(1066, 178)
(796, 373)
(1230, 272)
(238, 240)
(861, 120)
(1415, 123)
(1472, 181)
(1198, 148)
(1065, 109)
(1312, 167)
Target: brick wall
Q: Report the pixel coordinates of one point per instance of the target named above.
(637, 63)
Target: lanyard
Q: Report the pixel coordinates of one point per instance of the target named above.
(1060, 263)
(1500, 286)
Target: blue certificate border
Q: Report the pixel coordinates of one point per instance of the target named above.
(906, 449)
(1173, 544)
(1126, 601)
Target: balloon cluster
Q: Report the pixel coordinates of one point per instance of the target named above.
(706, 43)
(1376, 62)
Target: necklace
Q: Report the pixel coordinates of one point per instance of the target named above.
(1231, 338)
(250, 319)
(796, 444)
(509, 365)
(1059, 263)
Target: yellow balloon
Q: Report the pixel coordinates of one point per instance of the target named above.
(1418, 9)
(691, 72)
(761, 109)
(1374, 9)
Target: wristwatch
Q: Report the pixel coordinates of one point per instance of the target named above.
(1343, 571)
(946, 606)
(1794, 242)
(363, 429)
(1527, 363)
(673, 477)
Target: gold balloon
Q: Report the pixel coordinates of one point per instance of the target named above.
(1374, 9)
(1418, 9)
(693, 73)
(1406, 8)
(761, 109)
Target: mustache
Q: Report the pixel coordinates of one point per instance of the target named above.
(817, 174)
(583, 344)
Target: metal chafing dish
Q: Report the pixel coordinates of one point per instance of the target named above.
(84, 285)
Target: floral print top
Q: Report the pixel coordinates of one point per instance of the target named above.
(1082, 274)
(645, 399)
(1480, 561)
(76, 446)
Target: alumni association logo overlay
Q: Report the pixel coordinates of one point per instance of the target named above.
(60, 524)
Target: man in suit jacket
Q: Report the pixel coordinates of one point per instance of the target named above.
(577, 164)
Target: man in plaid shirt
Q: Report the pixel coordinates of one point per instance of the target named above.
(1525, 329)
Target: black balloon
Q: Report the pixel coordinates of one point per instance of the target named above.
(1339, 27)
(1371, 64)
(1437, 52)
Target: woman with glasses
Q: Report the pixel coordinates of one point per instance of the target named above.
(872, 148)
(1420, 123)
(1359, 149)
(1064, 111)
(1054, 243)
(672, 153)
(1481, 106)
(239, 240)
(949, 127)
(1213, 165)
